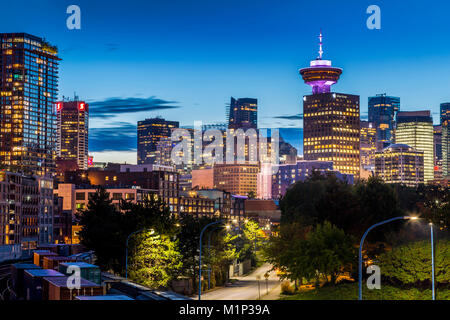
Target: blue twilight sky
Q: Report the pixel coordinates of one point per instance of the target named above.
(183, 59)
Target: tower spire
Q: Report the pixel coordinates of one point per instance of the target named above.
(320, 45)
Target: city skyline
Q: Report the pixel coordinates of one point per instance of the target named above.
(178, 69)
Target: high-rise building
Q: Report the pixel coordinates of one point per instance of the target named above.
(437, 141)
(150, 131)
(445, 123)
(399, 163)
(382, 111)
(26, 213)
(72, 119)
(415, 129)
(368, 145)
(331, 128)
(243, 113)
(28, 92)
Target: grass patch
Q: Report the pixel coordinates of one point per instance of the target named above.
(349, 291)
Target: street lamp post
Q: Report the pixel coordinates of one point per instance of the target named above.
(209, 250)
(362, 243)
(432, 262)
(200, 259)
(126, 251)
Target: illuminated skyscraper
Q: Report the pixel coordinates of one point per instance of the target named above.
(150, 131)
(72, 132)
(399, 163)
(243, 113)
(437, 140)
(382, 111)
(415, 129)
(445, 123)
(28, 92)
(368, 145)
(331, 124)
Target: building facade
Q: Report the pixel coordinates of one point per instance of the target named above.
(368, 145)
(149, 132)
(72, 119)
(28, 92)
(382, 112)
(437, 141)
(445, 124)
(400, 163)
(415, 129)
(331, 130)
(238, 179)
(26, 212)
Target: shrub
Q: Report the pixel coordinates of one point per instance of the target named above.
(411, 264)
(286, 288)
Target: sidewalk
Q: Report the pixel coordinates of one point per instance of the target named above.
(274, 293)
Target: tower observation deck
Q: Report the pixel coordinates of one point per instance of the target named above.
(320, 75)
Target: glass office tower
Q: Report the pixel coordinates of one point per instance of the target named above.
(28, 92)
(382, 111)
(150, 132)
(243, 113)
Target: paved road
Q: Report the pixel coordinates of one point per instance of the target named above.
(246, 288)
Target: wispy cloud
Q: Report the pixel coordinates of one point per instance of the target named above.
(298, 116)
(120, 136)
(111, 107)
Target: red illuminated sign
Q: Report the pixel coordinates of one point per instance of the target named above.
(81, 106)
(58, 106)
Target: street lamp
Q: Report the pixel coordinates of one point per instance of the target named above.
(362, 243)
(126, 249)
(227, 227)
(432, 262)
(200, 258)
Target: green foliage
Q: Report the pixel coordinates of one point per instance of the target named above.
(105, 229)
(349, 291)
(189, 238)
(329, 251)
(150, 213)
(300, 253)
(411, 263)
(318, 199)
(354, 208)
(101, 231)
(155, 260)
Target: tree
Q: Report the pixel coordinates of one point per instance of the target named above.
(321, 198)
(330, 251)
(287, 251)
(300, 252)
(411, 264)
(155, 261)
(189, 237)
(101, 231)
(377, 202)
(252, 235)
(150, 213)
